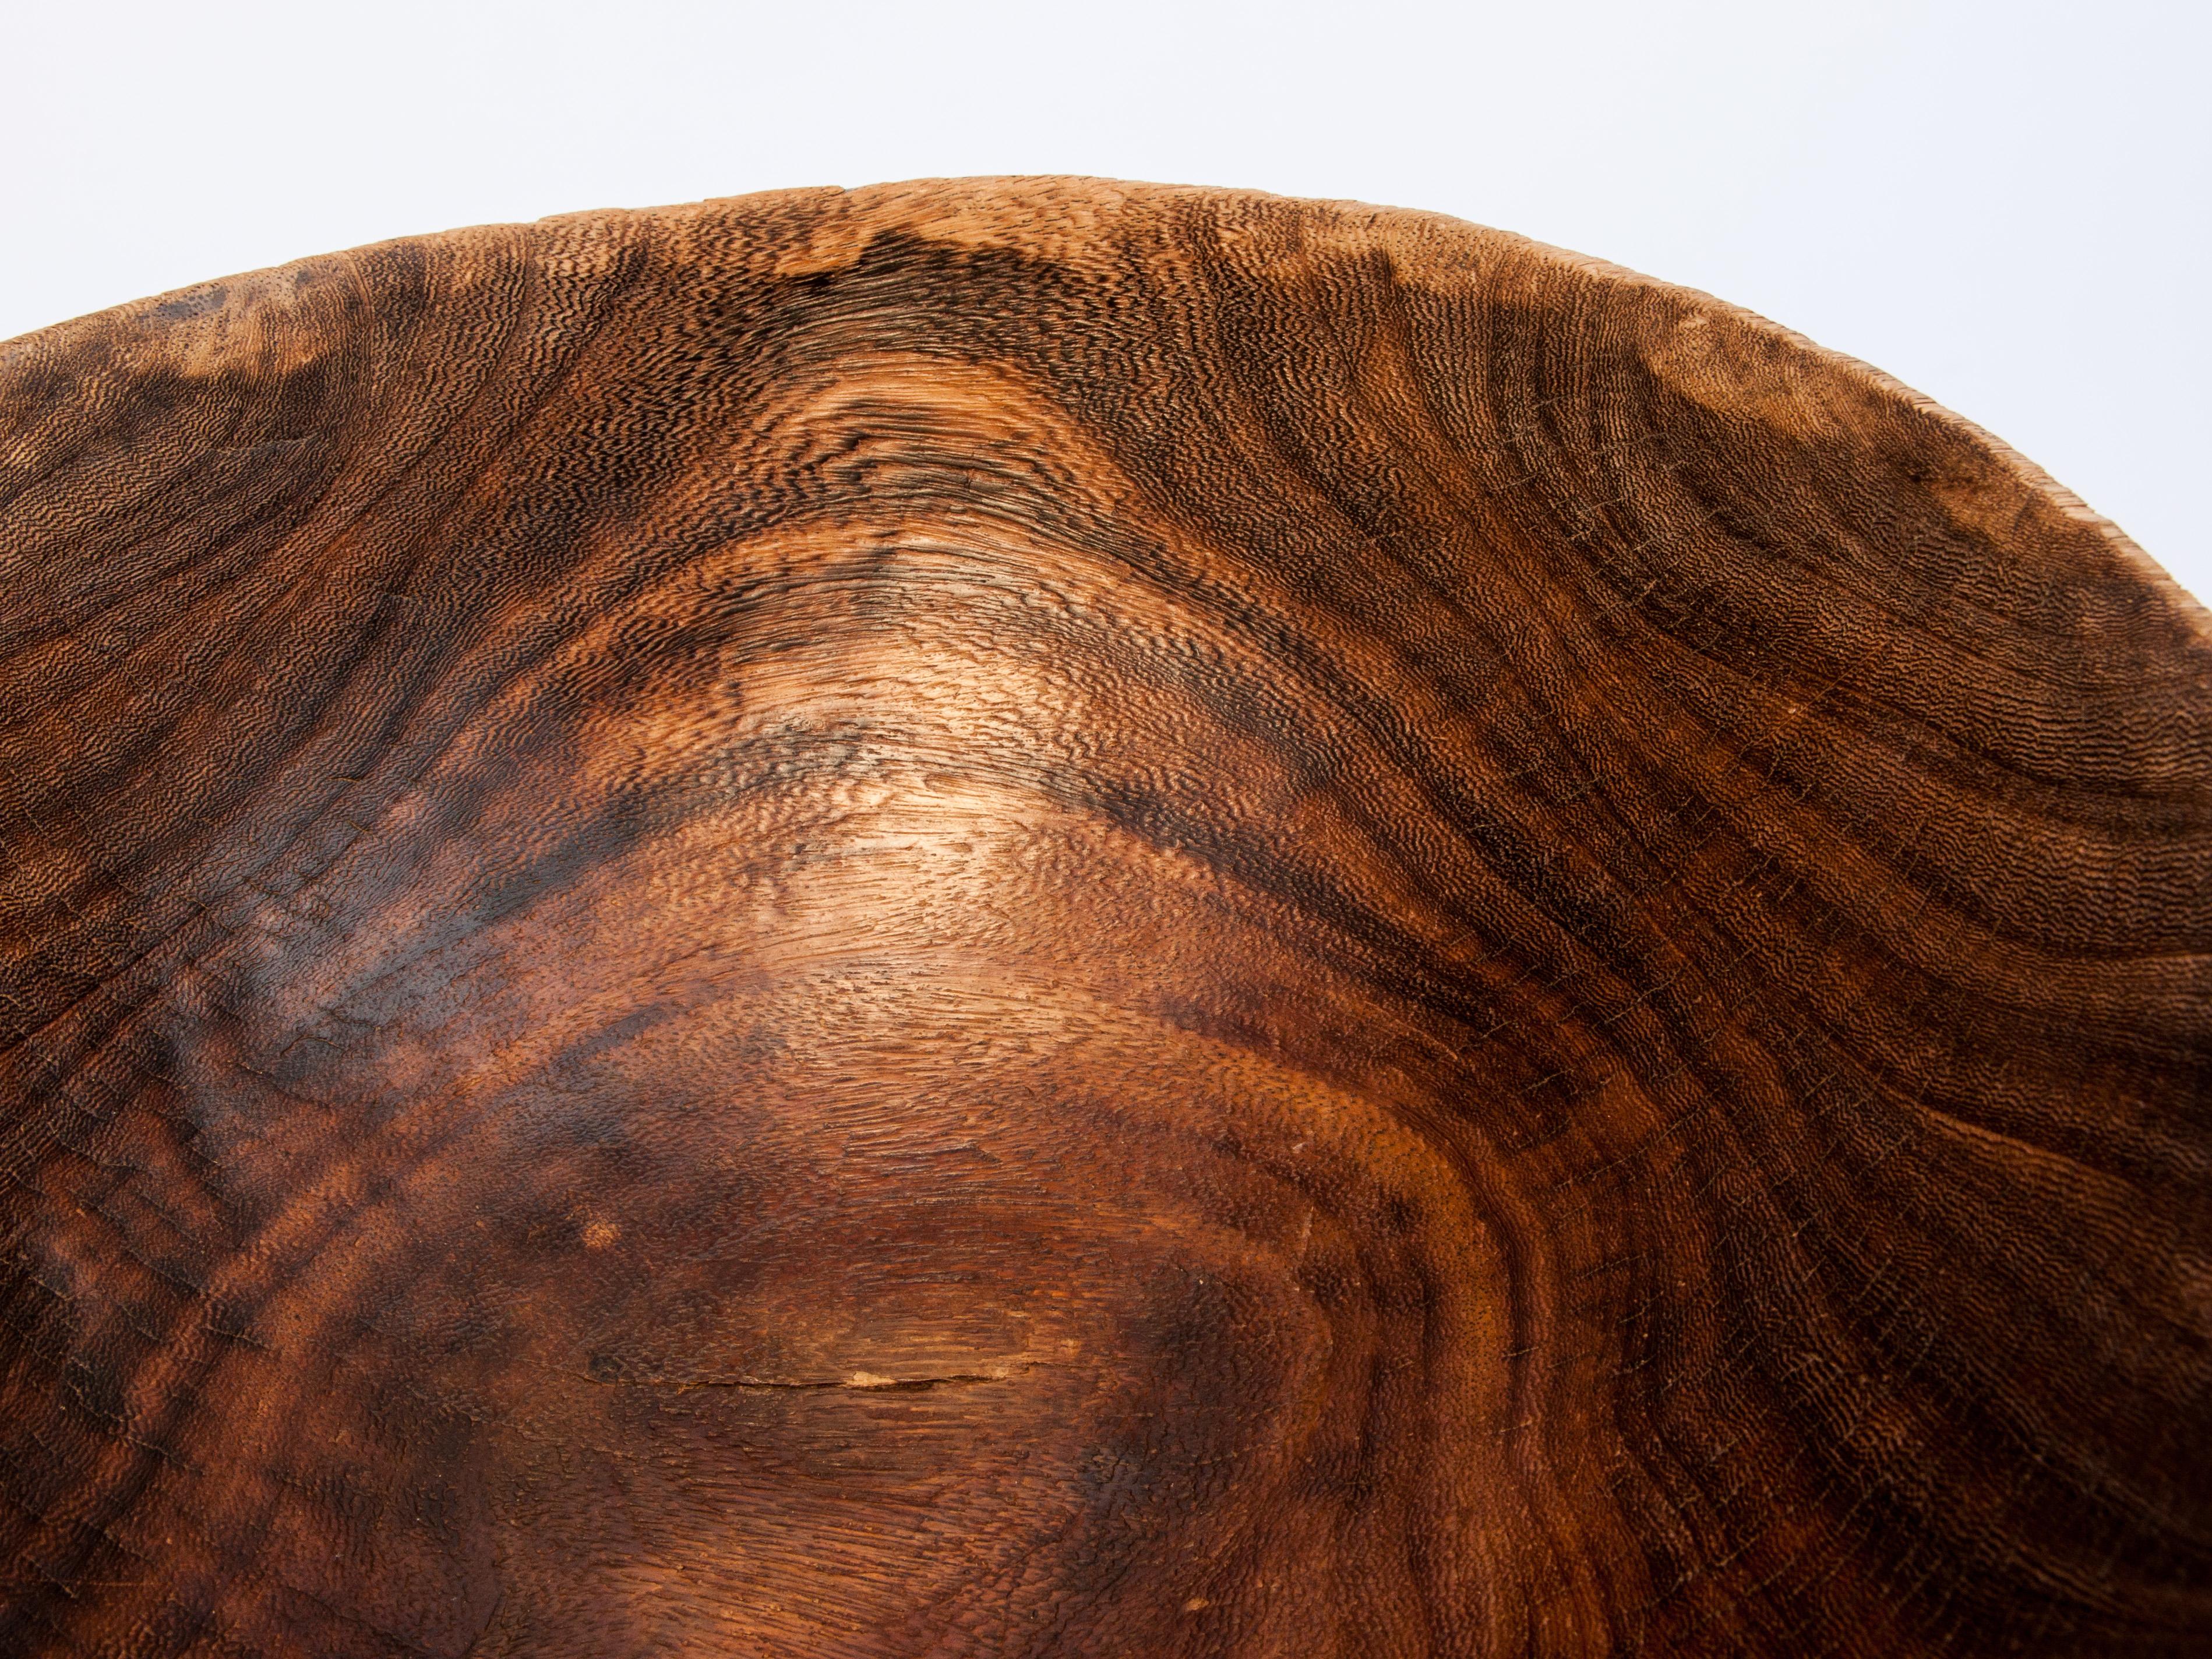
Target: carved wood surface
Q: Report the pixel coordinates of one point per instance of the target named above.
(1035, 918)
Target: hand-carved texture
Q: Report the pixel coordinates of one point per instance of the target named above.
(1041, 919)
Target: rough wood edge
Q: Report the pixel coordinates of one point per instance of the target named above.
(2185, 604)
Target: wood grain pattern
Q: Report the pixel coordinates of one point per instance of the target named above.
(1035, 918)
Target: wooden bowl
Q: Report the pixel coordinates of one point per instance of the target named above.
(1042, 918)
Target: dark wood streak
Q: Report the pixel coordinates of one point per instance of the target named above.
(1046, 918)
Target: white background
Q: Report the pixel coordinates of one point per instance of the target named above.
(2005, 202)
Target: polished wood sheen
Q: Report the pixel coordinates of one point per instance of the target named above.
(1038, 918)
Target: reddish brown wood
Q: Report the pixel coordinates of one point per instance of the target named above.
(1040, 918)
